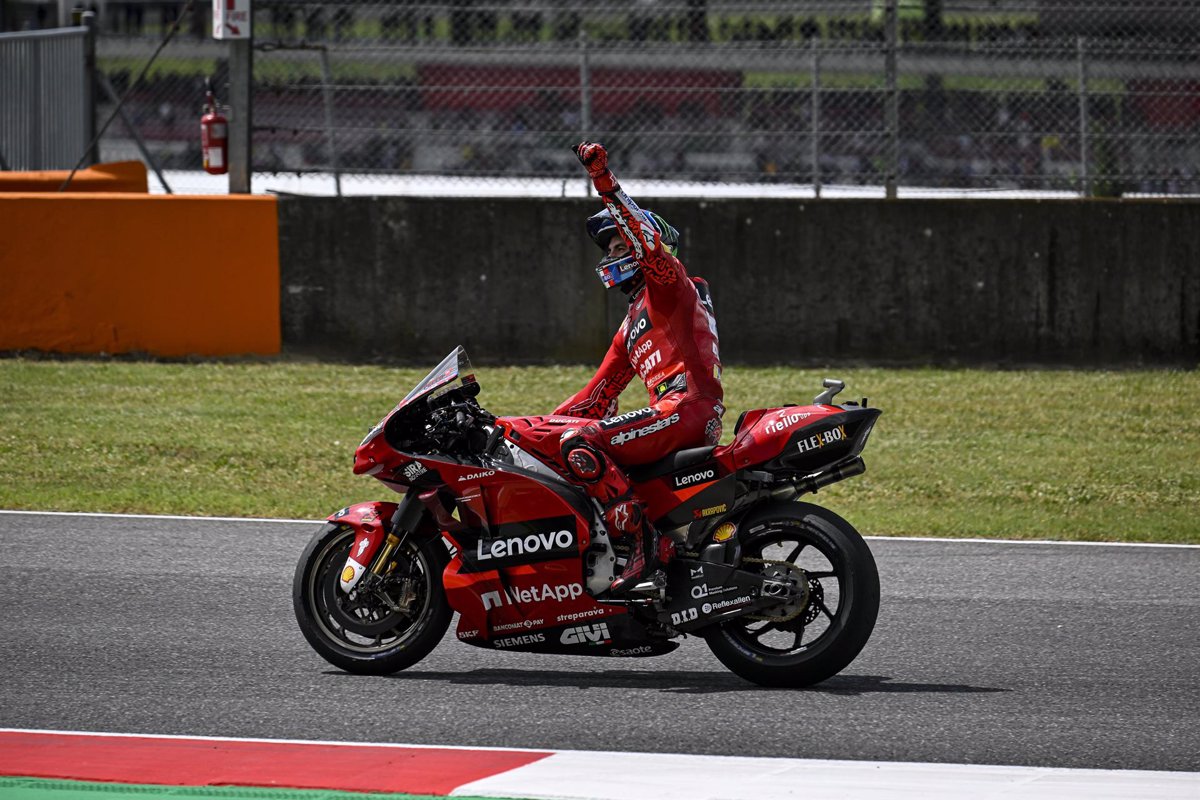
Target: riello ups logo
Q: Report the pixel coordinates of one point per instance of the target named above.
(519, 543)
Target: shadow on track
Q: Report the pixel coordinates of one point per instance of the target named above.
(676, 682)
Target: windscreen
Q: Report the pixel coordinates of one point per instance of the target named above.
(453, 372)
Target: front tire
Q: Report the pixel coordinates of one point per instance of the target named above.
(378, 631)
(821, 631)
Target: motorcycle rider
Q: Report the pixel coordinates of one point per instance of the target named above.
(669, 340)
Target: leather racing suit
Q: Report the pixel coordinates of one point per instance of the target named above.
(669, 340)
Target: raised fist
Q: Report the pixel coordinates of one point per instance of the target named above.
(593, 156)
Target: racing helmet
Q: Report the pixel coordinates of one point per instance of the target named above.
(616, 270)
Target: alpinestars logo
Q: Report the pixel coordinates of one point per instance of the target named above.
(587, 634)
(654, 427)
(698, 476)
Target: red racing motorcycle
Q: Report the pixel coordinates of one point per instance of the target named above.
(785, 593)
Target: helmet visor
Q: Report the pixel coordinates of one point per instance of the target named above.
(614, 271)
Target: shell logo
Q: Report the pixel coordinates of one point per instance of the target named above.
(348, 574)
(725, 532)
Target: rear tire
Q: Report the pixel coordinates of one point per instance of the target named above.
(827, 557)
(359, 632)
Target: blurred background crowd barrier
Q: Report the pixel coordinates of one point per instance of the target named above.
(1087, 97)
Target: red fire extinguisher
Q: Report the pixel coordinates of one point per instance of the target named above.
(214, 136)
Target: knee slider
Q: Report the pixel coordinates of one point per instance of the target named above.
(585, 462)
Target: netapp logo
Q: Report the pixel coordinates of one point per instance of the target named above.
(687, 479)
(561, 593)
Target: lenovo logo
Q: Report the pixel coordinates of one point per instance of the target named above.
(691, 478)
(518, 545)
(515, 543)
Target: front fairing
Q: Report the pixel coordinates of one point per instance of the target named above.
(379, 447)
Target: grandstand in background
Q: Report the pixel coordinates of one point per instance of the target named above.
(1095, 97)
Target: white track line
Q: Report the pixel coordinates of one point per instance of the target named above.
(945, 540)
(646, 776)
(585, 775)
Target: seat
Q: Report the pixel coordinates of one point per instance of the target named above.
(672, 463)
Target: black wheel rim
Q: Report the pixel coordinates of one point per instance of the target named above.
(362, 621)
(810, 620)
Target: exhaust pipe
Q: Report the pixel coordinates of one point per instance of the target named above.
(855, 466)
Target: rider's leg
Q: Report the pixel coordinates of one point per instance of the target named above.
(624, 515)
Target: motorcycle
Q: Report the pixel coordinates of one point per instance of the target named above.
(785, 593)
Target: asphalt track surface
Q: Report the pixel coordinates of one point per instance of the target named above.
(985, 653)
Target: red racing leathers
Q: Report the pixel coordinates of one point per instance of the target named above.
(669, 339)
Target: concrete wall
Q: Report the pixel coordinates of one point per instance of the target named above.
(138, 273)
(793, 281)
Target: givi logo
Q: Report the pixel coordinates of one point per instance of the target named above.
(587, 634)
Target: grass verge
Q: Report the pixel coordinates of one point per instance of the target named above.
(1073, 455)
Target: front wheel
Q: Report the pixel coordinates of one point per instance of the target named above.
(386, 623)
(827, 623)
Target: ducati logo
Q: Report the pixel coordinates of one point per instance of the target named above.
(650, 363)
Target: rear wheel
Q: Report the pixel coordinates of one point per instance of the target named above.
(384, 624)
(836, 600)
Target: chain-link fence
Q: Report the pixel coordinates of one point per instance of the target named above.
(1095, 97)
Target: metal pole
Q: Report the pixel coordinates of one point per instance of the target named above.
(1085, 181)
(816, 117)
(327, 91)
(90, 74)
(892, 108)
(585, 97)
(241, 70)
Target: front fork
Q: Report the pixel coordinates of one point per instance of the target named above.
(375, 541)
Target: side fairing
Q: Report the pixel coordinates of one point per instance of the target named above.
(516, 569)
(802, 439)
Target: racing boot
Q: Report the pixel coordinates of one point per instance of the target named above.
(642, 562)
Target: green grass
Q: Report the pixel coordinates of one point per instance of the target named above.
(1081, 455)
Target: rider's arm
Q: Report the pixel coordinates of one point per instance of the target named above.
(598, 399)
(642, 239)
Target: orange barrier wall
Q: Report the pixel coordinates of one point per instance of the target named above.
(126, 273)
(118, 176)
